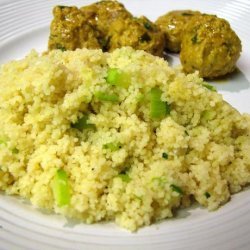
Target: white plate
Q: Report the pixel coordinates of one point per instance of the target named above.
(24, 24)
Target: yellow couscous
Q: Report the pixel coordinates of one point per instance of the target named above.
(130, 151)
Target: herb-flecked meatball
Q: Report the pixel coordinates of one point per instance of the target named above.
(173, 25)
(210, 46)
(70, 30)
(139, 33)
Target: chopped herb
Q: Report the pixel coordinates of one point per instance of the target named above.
(210, 87)
(102, 96)
(124, 171)
(147, 25)
(186, 132)
(112, 146)
(228, 46)
(145, 38)
(165, 155)
(59, 46)
(158, 108)
(82, 124)
(62, 7)
(125, 177)
(208, 195)
(176, 189)
(187, 14)
(118, 78)
(60, 188)
(15, 151)
(194, 39)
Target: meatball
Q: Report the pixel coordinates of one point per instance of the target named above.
(173, 25)
(70, 30)
(139, 33)
(106, 25)
(210, 46)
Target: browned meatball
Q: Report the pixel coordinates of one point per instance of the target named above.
(210, 46)
(139, 33)
(173, 25)
(70, 30)
(107, 25)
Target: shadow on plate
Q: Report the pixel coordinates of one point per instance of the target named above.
(234, 82)
(169, 58)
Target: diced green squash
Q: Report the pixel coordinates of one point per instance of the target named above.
(117, 77)
(158, 108)
(176, 189)
(60, 188)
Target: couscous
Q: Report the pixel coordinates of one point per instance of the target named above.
(117, 136)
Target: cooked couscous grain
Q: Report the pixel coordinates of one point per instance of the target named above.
(113, 159)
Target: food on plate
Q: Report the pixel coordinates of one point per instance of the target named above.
(117, 136)
(206, 43)
(173, 25)
(106, 25)
(70, 30)
(210, 46)
(139, 33)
